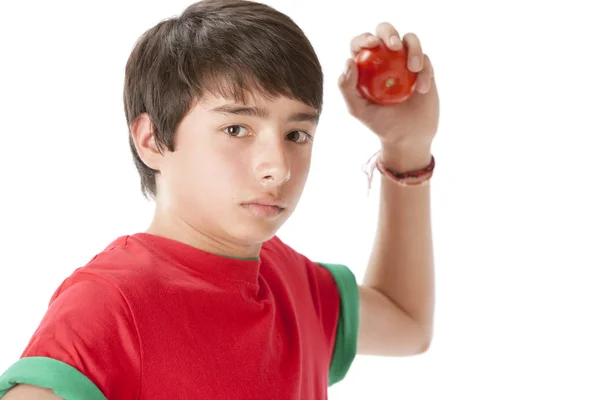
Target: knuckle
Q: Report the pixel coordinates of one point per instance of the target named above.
(356, 43)
(386, 28)
(414, 41)
(362, 37)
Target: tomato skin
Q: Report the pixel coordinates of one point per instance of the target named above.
(383, 75)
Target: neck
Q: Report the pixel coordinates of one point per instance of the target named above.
(174, 228)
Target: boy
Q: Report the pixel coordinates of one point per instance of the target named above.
(222, 104)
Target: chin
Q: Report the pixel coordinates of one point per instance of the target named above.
(251, 237)
(255, 231)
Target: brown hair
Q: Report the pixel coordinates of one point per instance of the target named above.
(223, 47)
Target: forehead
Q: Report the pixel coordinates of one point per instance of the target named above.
(258, 105)
(253, 99)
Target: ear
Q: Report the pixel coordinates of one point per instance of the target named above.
(142, 133)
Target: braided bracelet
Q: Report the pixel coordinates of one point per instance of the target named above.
(410, 178)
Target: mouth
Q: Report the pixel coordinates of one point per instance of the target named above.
(263, 210)
(266, 207)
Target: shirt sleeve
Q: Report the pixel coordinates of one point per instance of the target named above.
(338, 298)
(86, 346)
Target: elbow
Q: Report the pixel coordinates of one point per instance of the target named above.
(427, 335)
(422, 348)
(425, 347)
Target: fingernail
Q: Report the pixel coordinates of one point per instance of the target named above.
(415, 63)
(395, 40)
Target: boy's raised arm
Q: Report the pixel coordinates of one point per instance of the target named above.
(397, 295)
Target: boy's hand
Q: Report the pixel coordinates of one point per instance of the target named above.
(406, 130)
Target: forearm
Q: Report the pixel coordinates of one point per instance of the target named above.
(401, 263)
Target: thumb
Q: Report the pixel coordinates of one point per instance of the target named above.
(347, 83)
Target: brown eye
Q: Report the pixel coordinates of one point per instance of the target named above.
(236, 131)
(300, 137)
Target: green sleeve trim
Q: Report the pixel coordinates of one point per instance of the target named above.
(66, 381)
(346, 341)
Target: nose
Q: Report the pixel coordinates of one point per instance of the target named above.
(272, 165)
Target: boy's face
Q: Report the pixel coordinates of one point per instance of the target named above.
(238, 170)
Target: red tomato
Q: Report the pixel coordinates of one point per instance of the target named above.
(383, 75)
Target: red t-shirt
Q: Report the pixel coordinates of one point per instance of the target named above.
(153, 318)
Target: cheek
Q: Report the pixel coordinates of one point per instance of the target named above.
(300, 166)
(213, 170)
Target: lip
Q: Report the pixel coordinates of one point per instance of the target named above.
(263, 211)
(266, 201)
(265, 207)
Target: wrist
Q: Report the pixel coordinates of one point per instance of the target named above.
(404, 157)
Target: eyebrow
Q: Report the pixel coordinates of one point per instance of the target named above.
(234, 109)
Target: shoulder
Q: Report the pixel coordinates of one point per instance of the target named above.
(125, 263)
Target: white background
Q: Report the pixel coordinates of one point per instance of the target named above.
(515, 194)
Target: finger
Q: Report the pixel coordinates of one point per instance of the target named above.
(347, 84)
(366, 40)
(389, 35)
(415, 52)
(425, 77)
